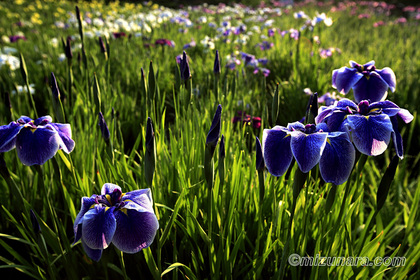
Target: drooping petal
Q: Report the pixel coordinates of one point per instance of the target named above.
(370, 134)
(345, 78)
(337, 159)
(386, 107)
(109, 188)
(335, 120)
(370, 63)
(87, 202)
(24, 119)
(405, 115)
(65, 141)
(43, 120)
(389, 77)
(36, 146)
(142, 199)
(276, 150)
(322, 127)
(94, 254)
(8, 135)
(373, 88)
(344, 103)
(135, 230)
(396, 137)
(324, 112)
(295, 126)
(98, 227)
(307, 148)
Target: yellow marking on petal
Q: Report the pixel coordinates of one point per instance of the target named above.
(107, 208)
(328, 141)
(108, 197)
(367, 117)
(124, 210)
(32, 129)
(374, 110)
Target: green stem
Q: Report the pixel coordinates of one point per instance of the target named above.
(210, 229)
(298, 183)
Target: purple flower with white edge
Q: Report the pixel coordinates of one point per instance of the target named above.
(265, 45)
(264, 71)
(369, 125)
(367, 82)
(309, 144)
(36, 141)
(189, 45)
(125, 219)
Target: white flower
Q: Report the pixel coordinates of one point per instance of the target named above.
(202, 19)
(23, 89)
(10, 61)
(54, 42)
(62, 57)
(208, 43)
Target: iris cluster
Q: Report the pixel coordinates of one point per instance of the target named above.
(125, 219)
(342, 127)
(36, 141)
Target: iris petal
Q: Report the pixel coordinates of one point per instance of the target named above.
(98, 227)
(389, 77)
(8, 135)
(335, 120)
(94, 254)
(337, 159)
(142, 199)
(276, 150)
(24, 119)
(296, 126)
(373, 89)
(386, 106)
(307, 148)
(43, 120)
(87, 202)
(344, 103)
(345, 78)
(64, 131)
(370, 134)
(405, 115)
(36, 146)
(370, 63)
(109, 188)
(135, 230)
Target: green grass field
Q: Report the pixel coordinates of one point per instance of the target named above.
(234, 222)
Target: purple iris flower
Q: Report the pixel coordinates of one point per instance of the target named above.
(16, 38)
(35, 141)
(264, 71)
(309, 144)
(370, 125)
(189, 45)
(367, 82)
(125, 219)
(165, 42)
(184, 67)
(265, 45)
